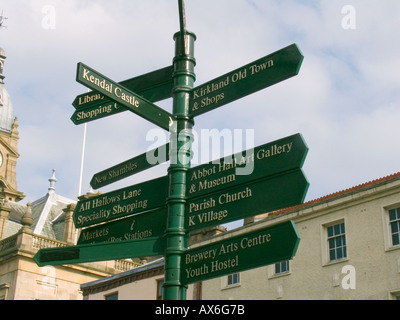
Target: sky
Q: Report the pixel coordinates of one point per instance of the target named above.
(345, 101)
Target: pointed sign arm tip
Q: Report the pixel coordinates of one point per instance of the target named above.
(99, 252)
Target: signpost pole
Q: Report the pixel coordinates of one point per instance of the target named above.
(180, 156)
(169, 207)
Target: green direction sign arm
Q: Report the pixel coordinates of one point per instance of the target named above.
(131, 167)
(264, 161)
(240, 253)
(121, 95)
(96, 112)
(154, 86)
(122, 203)
(258, 75)
(247, 200)
(100, 252)
(146, 225)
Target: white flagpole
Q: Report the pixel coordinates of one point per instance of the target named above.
(82, 159)
(81, 173)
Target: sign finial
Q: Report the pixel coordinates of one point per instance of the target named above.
(182, 23)
(182, 16)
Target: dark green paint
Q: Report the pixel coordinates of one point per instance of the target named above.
(131, 167)
(100, 252)
(275, 185)
(176, 235)
(145, 225)
(121, 203)
(240, 253)
(153, 86)
(263, 161)
(272, 69)
(102, 110)
(121, 95)
(247, 200)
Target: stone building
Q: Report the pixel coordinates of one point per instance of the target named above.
(26, 228)
(144, 282)
(349, 249)
(9, 137)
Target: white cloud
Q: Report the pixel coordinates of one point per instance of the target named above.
(344, 101)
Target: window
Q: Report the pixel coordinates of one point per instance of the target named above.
(4, 291)
(395, 295)
(160, 290)
(233, 279)
(281, 267)
(337, 242)
(394, 220)
(111, 297)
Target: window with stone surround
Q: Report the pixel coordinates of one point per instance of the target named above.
(337, 242)
(160, 290)
(334, 242)
(112, 296)
(232, 280)
(282, 267)
(394, 222)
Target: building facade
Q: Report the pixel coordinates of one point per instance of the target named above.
(349, 250)
(9, 137)
(44, 223)
(144, 282)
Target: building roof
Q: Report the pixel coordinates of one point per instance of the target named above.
(337, 195)
(148, 270)
(47, 214)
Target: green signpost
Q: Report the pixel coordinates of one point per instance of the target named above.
(96, 112)
(243, 252)
(121, 203)
(155, 217)
(141, 226)
(260, 162)
(130, 167)
(246, 80)
(154, 86)
(246, 200)
(100, 252)
(119, 94)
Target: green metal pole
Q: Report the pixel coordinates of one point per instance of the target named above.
(180, 157)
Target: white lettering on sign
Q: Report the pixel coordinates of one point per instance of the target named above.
(98, 210)
(195, 218)
(117, 92)
(208, 178)
(89, 98)
(237, 196)
(222, 257)
(215, 92)
(99, 111)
